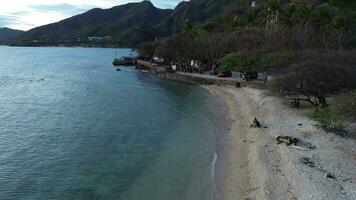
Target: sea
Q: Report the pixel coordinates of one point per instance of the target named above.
(74, 128)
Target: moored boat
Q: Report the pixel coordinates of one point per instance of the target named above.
(124, 61)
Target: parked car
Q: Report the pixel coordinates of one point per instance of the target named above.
(225, 74)
(214, 73)
(249, 75)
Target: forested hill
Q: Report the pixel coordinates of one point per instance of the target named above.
(135, 23)
(126, 25)
(7, 33)
(123, 25)
(197, 11)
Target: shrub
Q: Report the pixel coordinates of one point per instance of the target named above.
(258, 61)
(325, 117)
(342, 108)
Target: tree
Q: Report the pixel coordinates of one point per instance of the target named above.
(147, 49)
(313, 82)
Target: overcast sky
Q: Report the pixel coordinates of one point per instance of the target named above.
(27, 14)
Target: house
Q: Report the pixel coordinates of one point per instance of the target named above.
(95, 38)
(157, 59)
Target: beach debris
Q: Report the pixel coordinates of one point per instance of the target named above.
(287, 139)
(255, 124)
(335, 130)
(300, 148)
(307, 161)
(118, 70)
(303, 145)
(300, 124)
(330, 175)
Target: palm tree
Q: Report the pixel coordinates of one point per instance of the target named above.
(273, 8)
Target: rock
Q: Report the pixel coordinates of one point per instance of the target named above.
(329, 175)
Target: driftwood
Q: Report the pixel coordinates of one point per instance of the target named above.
(255, 124)
(300, 148)
(287, 139)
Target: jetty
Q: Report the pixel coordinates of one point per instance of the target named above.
(164, 71)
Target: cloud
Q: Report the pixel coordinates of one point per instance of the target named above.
(6, 20)
(13, 20)
(64, 8)
(166, 3)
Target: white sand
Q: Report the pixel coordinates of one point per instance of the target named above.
(255, 167)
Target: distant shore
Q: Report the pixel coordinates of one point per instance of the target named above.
(251, 165)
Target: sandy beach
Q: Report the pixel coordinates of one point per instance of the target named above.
(254, 166)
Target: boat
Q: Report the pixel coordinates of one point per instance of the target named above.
(124, 61)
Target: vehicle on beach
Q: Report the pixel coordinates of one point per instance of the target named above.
(249, 75)
(225, 74)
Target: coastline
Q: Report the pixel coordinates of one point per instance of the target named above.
(251, 165)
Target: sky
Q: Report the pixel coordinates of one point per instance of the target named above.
(28, 14)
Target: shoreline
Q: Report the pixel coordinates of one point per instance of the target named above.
(251, 165)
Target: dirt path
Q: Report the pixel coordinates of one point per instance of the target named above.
(255, 167)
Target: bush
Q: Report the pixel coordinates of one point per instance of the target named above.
(342, 108)
(325, 117)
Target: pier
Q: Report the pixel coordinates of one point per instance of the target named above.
(195, 78)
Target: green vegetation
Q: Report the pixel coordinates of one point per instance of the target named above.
(309, 46)
(342, 108)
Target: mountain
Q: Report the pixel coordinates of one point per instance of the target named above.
(125, 25)
(122, 25)
(195, 11)
(7, 33)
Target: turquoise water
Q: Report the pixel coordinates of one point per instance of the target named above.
(71, 127)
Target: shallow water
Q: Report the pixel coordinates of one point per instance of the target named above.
(74, 128)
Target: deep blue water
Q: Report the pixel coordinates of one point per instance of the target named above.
(73, 128)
